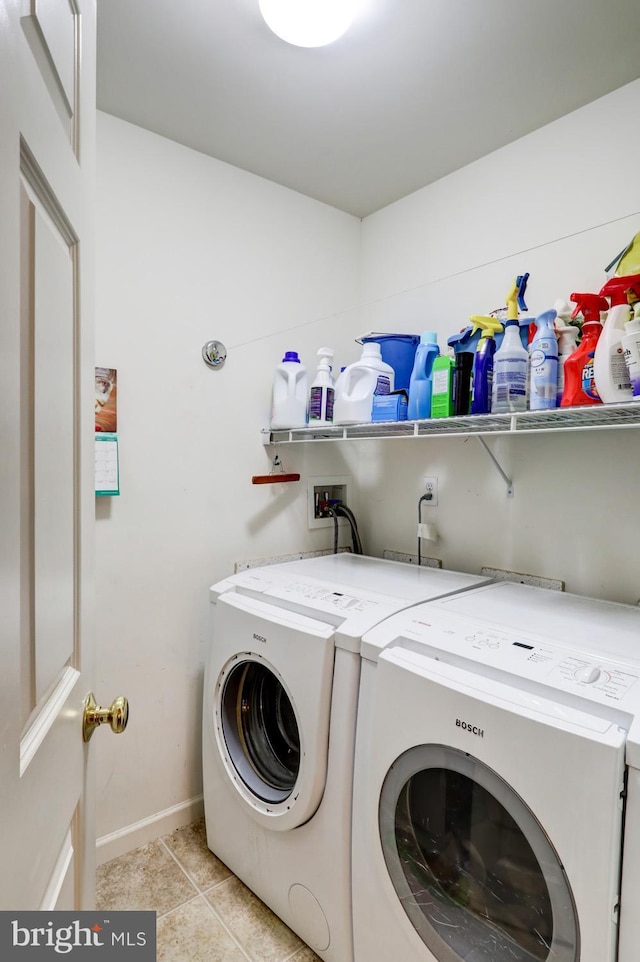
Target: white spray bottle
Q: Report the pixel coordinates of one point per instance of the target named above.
(609, 367)
(321, 392)
(567, 341)
(510, 364)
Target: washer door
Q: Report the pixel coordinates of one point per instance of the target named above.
(473, 868)
(260, 730)
(268, 690)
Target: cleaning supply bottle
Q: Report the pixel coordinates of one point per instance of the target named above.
(627, 261)
(610, 370)
(483, 365)
(442, 391)
(321, 392)
(543, 355)
(510, 364)
(631, 349)
(564, 313)
(567, 343)
(420, 385)
(289, 397)
(465, 341)
(579, 383)
(462, 378)
(358, 383)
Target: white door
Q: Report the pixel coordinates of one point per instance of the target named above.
(47, 137)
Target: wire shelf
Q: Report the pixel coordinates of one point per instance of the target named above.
(591, 417)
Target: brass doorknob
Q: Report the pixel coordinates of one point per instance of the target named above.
(117, 716)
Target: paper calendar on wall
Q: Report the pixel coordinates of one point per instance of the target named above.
(107, 471)
(107, 468)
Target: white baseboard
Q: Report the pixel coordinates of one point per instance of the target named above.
(148, 829)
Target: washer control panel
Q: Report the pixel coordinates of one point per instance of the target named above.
(525, 656)
(323, 597)
(308, 595)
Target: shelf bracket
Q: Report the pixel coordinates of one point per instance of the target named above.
(505, 478)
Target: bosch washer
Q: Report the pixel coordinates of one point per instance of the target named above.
(280, 701)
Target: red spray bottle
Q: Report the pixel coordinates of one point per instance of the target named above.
(579, 382)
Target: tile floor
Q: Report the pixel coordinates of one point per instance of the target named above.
(204, 913)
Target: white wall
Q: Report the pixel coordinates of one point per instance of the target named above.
(559, 204)
(190, 249)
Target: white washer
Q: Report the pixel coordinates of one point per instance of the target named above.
(280, 700)
(497, 781)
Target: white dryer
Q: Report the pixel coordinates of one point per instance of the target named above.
(280, 699)
(497, 781)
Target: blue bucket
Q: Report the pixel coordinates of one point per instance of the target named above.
(399, 351)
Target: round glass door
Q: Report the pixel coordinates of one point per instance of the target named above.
(260, 731)
(473, 868)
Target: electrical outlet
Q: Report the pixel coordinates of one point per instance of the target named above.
(431, 487)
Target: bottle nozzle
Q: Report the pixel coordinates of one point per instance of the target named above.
(617, 289)
(515, 297)
(488, 325)
(512, 302)
(589, 305)
(521, 281)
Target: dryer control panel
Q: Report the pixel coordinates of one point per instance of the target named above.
(496, 653)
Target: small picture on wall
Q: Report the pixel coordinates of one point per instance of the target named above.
(106, 399)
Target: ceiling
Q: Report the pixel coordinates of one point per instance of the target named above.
(413, 91)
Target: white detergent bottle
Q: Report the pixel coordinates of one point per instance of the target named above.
(321, 392)
(289, 398)
(609, 367)
(358, 383)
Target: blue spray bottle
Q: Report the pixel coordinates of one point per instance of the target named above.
(420, 385)
(543, 354)
(483, 365)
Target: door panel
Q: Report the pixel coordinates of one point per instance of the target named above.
(52, 29)
(60, 891)
(51, 318)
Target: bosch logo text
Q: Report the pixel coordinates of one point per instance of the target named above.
(259, 638)
(470, 728)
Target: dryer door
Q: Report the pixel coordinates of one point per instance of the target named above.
(476, 873)
(500, 817)
(271, 707)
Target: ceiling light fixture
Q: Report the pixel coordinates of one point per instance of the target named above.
(309, 23)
